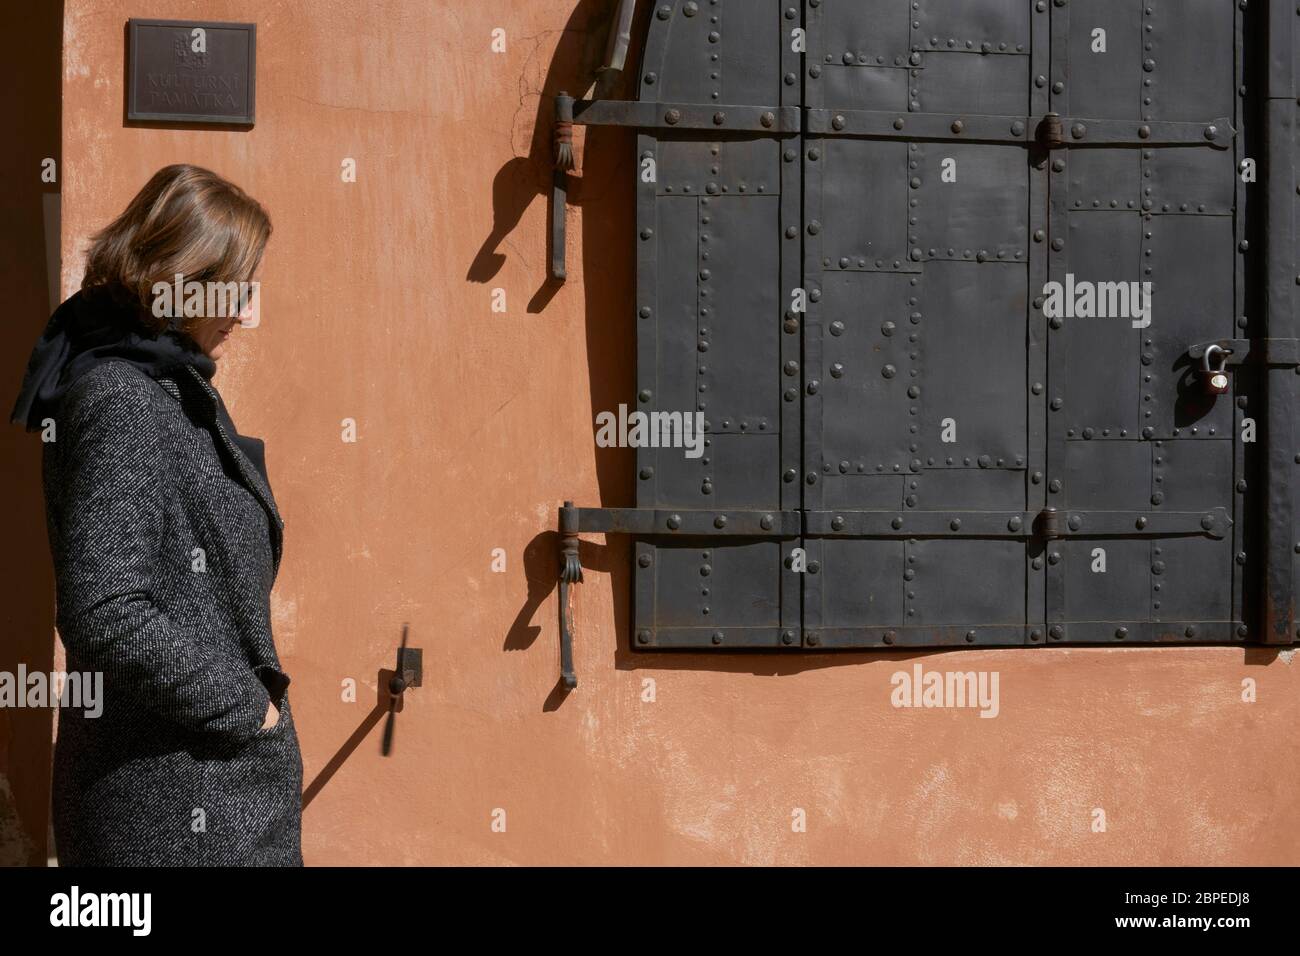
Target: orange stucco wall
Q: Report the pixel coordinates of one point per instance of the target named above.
(474, 425)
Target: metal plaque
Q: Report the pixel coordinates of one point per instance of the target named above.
(183, 71)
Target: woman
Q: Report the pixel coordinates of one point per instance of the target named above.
(166, 542)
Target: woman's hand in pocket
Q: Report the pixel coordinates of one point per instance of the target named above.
(272, 717)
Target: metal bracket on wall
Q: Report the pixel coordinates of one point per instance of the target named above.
(620, 38)
(407, 673)
(570, 574)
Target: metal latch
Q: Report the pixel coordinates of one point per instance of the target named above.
(1273, 353)
(409, 672)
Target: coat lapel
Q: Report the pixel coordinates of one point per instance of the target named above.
(248, 472)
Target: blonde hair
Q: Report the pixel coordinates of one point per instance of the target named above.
(186, 220)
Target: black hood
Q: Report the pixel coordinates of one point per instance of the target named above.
(92, 327)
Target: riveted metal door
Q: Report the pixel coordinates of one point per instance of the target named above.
(718, 213)
(943, 276)
(923, 438)
(981, 466)
(1132, 434)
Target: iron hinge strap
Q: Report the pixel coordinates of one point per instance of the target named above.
(647, 115)
(647, 521)
(1211, 523)
(1048, 524)
(1051, 131)
(1276, 353)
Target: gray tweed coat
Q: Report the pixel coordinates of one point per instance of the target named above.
(166, 542)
